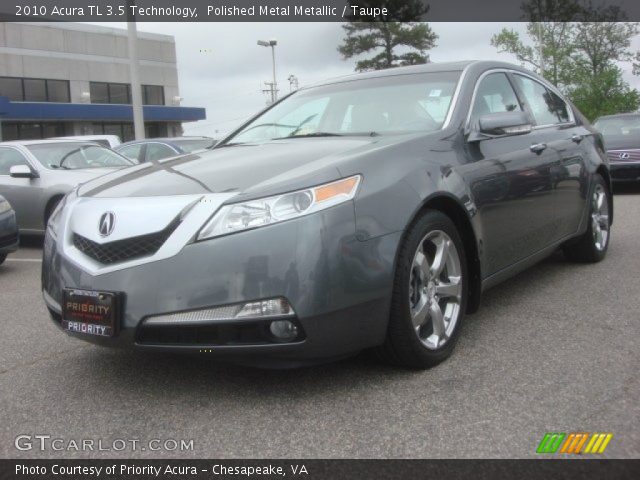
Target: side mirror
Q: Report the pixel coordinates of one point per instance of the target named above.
(503, 124)
(22, 171)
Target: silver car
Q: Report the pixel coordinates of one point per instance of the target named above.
(36, 174)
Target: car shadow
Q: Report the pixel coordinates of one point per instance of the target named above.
(31, 241)
(626, 188)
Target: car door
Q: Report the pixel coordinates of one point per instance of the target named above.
(24, 194)
(510, 180)
(557, 128)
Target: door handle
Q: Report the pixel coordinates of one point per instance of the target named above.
(538, 147)
(576, 138)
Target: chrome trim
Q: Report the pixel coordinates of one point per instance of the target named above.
(454, 99)
(213, 315)
(135, 218)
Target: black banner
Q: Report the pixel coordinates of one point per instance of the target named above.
(314, 11)
(543, 469)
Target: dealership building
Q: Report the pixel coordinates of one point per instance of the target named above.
(61, 79)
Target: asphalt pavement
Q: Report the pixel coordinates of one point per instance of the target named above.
(553, 350)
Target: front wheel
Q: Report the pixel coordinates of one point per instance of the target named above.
(429, 294)
(3, 257)
(592, 246)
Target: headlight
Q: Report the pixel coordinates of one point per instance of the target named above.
(4, 206)
(267, 211)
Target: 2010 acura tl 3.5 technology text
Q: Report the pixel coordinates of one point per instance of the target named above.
(368, 211)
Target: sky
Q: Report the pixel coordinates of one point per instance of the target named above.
(221, 67)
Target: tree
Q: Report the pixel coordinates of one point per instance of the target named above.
(549, 53)
(578, 46)
(399, 39)
(604, 93)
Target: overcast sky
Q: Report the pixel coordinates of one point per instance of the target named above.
(228, 75)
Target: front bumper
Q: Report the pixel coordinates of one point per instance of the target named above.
(9, 238)
(625, 172)
(339, 287)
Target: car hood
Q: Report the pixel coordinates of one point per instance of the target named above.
(621, 142)
(77, 175)
(247, 169)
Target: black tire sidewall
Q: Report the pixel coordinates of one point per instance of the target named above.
(408, 347)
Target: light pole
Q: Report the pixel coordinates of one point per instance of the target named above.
(272, 43)
(136, 92)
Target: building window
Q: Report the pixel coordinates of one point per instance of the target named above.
(152, 95)
(32, 130)
(109, 92)
(102, 92)
(11, 88)
(119, 93)
(58, 91)
(35, 89)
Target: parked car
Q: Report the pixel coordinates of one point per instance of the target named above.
(109, 141)
(159, 148)
(9, 239)
(622, 140)
(368, 211)
(36, 174)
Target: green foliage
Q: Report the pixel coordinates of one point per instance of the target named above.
(393, 43)
(604, 94)
(580, 54)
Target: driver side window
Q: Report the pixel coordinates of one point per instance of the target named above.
(10, 157)
(494, 94)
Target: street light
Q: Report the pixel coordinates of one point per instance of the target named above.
(272, 43)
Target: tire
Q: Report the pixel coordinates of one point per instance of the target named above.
(418, 286)
(592, 246)
(3, 257)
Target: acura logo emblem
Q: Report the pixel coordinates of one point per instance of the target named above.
(623, 156)
(107, 222)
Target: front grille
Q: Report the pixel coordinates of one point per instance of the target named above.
(126, 249)
(624, 156)
(8, 240)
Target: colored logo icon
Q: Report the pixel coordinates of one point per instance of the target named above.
(574, 443)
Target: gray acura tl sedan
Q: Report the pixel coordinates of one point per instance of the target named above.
(36, 174)
(367, 211)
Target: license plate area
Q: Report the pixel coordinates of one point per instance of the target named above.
(91, 312)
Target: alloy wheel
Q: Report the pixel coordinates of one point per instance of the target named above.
(435, 289)
(600, 217)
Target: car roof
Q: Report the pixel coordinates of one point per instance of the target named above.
(432, 67)
(47, 140)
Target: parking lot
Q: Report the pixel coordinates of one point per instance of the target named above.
(553, 350)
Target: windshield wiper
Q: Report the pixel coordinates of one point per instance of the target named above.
(307, 135)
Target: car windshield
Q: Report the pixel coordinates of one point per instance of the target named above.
(376, 106)
(72, 155)
(192, 144)
(627, 126)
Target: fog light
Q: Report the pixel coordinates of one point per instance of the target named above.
(273, 307)
(283, 330)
